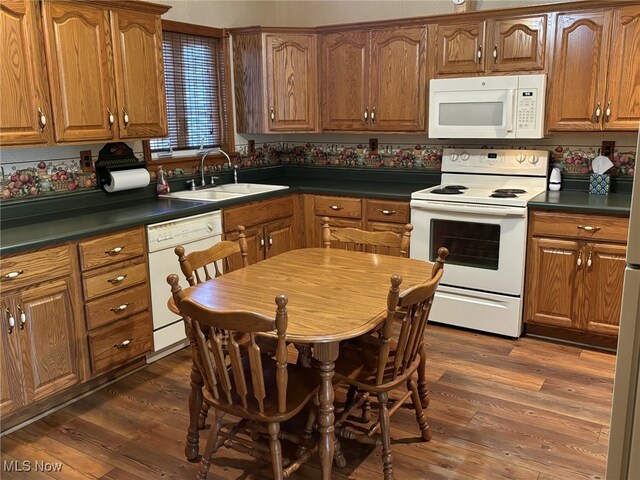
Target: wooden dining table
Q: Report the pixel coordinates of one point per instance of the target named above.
(334, 295)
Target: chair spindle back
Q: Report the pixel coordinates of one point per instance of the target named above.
(364, 241)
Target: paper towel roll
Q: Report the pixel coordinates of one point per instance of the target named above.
(127, 179)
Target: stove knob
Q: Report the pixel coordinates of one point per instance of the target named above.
(465, 156)
(453, 157)
(533, 159)
(520, 157)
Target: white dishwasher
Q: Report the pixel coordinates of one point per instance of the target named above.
(193, 233)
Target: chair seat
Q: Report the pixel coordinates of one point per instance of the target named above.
(302, 385)
(358, 364)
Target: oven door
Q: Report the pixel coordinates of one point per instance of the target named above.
(486, 243)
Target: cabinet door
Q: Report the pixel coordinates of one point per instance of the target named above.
(48, 340)
(279, 237)
(579, 71)
(80, 71)
(345, 81)
(460, 48)
(137, 46)
(24, 102)
(516, 44)
(604, 276)
(12, 387)
(554, 277)
(291, 64)
(255, 247)
(398, 79)
(623, 85)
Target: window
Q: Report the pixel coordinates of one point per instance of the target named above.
(197, 88)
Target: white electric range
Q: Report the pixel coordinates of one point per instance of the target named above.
(479, 213)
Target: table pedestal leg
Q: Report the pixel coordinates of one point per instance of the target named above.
(326, 354)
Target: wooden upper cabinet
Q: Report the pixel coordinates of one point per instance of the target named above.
(398, 78)
(374, 80)
(80, 68)
(276, 81)
(137, 46)
(516, 44)
(460, 48)
(25, 117)
(595, 82)
(623, 83)
(344, 67)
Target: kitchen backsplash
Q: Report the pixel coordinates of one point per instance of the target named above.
(28, 175)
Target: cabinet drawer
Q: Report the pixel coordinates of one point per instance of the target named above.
(115, 345)
(256, 213)
(112, 248)
(387, 211)
(29, 268)
(112, 279)
(344, 207)
(114, 307)
(580, 226)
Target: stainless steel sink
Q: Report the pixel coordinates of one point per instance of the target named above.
(223, 192)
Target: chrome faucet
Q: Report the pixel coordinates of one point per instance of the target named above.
(204, 155)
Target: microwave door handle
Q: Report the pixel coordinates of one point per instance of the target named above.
(511, 102)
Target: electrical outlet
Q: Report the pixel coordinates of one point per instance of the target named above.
(252, 146)
(373, 144)
(85, 161)
(607, 149)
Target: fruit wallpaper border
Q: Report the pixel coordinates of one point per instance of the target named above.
(58, 177)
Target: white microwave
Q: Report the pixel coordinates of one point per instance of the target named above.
(510, 106)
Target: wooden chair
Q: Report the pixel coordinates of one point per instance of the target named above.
(243, 382)
(379, 365)
(197, 267)
(363, 241)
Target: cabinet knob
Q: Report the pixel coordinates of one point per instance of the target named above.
(589, 262)
(118, 279)
(12, 275)
(495, 52)
(272, 114)
(479, 54)
(122, 344)
(23, 318)
(336, 207)
(261, 241)
(588, 228)
(579, 261)
(366, 115)
(269, 240)
(114, 251)
(10, 319)
(373, 115)
(120, 308)
(42, 120)
(607, 111)
(597, 113)
(125, 117)
(111, 119)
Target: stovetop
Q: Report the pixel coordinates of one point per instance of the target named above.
(490, 177)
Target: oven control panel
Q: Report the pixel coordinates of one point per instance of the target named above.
(496, 162)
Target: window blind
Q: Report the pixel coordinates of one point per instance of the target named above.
(195, 81)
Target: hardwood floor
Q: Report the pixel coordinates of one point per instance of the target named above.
(500, 409)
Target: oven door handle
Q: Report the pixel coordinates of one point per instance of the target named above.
(486, 210)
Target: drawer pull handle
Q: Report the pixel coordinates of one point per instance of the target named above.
(23, 318)
(125, 118)
(579, 262)
(12, 275)
(42, 120)
(118, 279)
(10, 319)
(336, 207)
(588, 228)
(388, 212)
(122, 344)
(589, 261)
(120, 308)
(114, 251)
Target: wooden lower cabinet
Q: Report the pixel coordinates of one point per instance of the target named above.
(271, 226)
(574, 276)
(41, 330)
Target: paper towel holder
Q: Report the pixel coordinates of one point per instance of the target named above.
(113, 157)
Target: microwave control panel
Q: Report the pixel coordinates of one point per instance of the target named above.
(527, 102)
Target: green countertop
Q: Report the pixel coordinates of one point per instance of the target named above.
(581, 201)
(34, 224)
